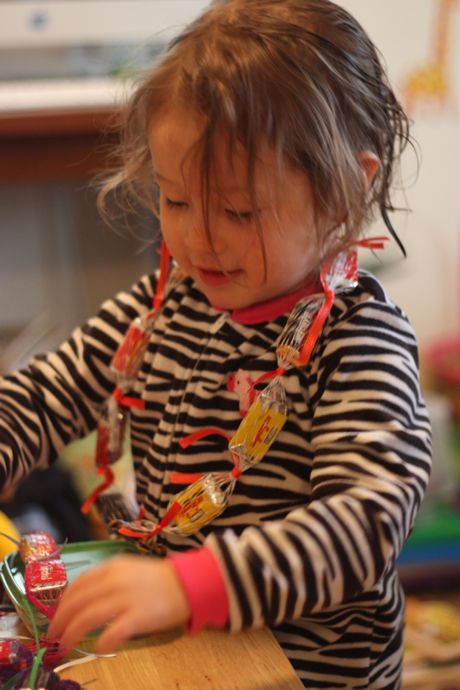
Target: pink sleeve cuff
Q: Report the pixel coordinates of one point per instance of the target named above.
(204, 586)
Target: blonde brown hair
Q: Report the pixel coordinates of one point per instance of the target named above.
(301, 75)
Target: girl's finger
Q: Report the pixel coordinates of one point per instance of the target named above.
(117, 632)
(89, 588)
(71, 629)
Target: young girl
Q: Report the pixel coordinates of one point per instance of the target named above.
(279, 436)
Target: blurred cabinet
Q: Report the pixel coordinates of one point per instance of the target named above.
(58, 261)
(44, 145)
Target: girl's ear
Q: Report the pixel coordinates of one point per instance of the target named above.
(370, 164)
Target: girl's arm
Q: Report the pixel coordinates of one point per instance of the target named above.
(57, 398)
(372, 443)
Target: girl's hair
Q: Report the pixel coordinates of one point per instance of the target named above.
(301, 75)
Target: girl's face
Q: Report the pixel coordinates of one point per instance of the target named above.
(231, 271)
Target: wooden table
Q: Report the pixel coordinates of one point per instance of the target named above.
(212, 660)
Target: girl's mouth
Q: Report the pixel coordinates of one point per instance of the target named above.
(216, 278)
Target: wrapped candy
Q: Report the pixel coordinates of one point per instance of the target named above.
(141, 532)
(110, 498)
(189, 511)
(260, 426)
(341, 274)
(8, 652)
(14, 657)
(111, 433)
(45, 582)
(289, 346)
(46, 679)
(201, 502)
(128, 358)
(112, 505)
(305, 322)
(37, 546)
(34, 546)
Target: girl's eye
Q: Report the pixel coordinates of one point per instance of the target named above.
(171, 203)
(239, 216)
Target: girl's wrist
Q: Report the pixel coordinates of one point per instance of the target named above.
(204, 587)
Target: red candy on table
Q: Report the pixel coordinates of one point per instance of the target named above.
(37, 545)
(45, 582)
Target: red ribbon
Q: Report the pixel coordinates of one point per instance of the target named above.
(236, 472)
(47, 611)
(108, 480)
(190, 477)
(329, 294)
(202, 433)
(126, 400)
(165, 257)
(269, 375)
(372, 242)
(320, 318)
(164, 522)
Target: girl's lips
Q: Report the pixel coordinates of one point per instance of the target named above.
(215, 278)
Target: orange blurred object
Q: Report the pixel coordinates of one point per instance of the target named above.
(443, 363)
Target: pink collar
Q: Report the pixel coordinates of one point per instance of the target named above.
(267, 311)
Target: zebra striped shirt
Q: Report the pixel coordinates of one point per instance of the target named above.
(308, 542)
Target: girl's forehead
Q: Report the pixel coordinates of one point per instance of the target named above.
(175, 128)
(174, 139)
(174, 143)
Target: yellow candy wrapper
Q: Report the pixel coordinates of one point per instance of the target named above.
(201, 502)
(260, 426)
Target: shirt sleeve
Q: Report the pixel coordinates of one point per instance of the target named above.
(201, 577)
(57, 398)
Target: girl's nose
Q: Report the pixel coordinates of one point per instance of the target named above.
(200, 238)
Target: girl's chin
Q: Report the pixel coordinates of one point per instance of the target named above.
(226, 291)
(226, 302)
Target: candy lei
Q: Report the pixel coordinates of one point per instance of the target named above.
(111, 428)
(207, 495)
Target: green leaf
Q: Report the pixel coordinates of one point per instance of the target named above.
(36, 663)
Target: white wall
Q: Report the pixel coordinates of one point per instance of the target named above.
(427, 284)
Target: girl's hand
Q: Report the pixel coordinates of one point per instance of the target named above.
(129, 595)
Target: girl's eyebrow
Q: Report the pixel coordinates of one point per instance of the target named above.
(231, 189)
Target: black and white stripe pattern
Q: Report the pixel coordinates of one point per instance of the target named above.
(309, 540)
